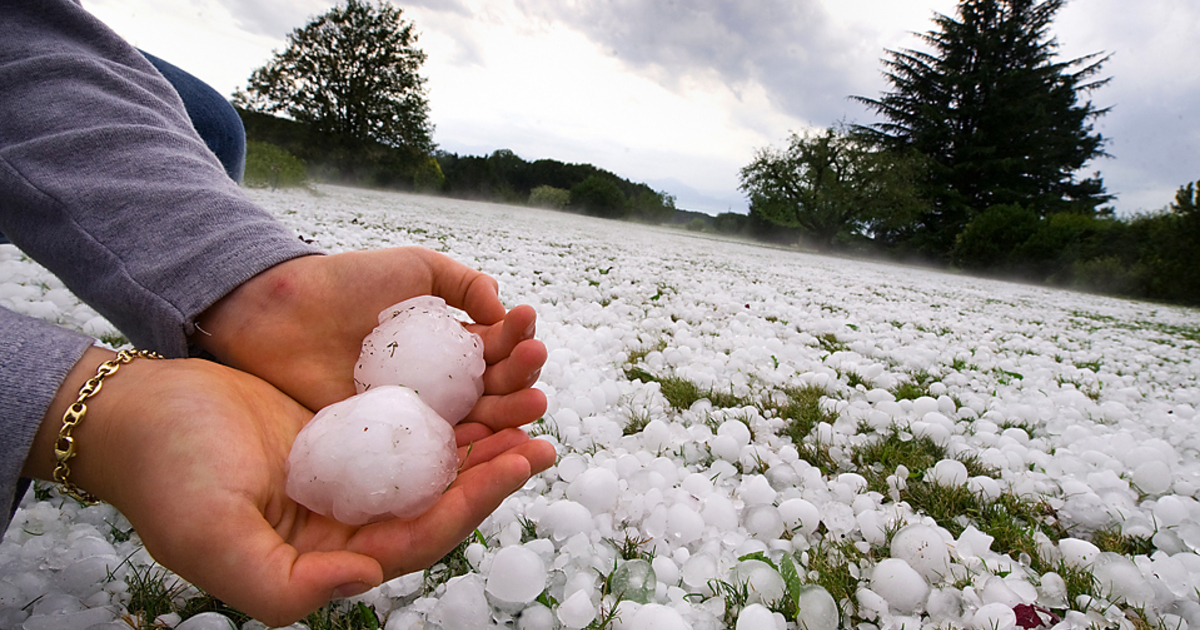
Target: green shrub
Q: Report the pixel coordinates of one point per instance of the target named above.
(600, 196)
(652, 206)
(1107, 275)
(549, 197)
(269, 165)
(989, 239)
(731, 223)
(428, 177)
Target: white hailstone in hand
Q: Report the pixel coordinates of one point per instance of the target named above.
(381, 453)
(420, 345)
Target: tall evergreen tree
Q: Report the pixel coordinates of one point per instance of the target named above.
(1001, 120)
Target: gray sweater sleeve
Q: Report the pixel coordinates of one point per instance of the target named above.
(36, 357)
(104, 181)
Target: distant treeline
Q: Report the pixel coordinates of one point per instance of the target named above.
(277, 145)
(1149, 255)
(505, 177)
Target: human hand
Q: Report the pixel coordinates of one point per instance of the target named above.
(300, 326)
(193, 454)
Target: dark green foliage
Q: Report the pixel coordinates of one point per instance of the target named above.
(999, 117)
(269, 165)
(1187, 200)
(504, 176)
(333, 158)
(832, 187)
(988, 241)
(599, 196)
(1113, 540)
(731, 223)
(651, 206)
(352, 72)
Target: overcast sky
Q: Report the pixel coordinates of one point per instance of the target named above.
(679, 94)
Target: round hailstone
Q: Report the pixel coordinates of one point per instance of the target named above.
(635, 581)
(1078, 553)
(657, 617)
(903, 588)
(800, 516)
(949, 472)
(764, 583)
(420, 345)
(518, 575)
(924, 549)
(597, 489)
(817, 610)
(379, 454)
(755, 617)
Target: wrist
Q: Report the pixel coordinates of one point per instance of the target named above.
(244, 310)
(74, 442)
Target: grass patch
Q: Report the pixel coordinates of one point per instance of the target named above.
(854, 379)
(914, 387)
(681, 393)
(1113, 540)
(803, 412)
(829, 343)
(153, 592)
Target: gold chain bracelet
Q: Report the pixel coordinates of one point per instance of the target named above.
(64, 447)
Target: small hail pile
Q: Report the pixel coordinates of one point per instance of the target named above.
(390, 450)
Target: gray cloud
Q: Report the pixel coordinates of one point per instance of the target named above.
(810, 66)
(274, 18)
(277, 18)
(787, 46)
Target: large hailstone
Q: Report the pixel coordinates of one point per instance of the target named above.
(379, 454)
(420, 345)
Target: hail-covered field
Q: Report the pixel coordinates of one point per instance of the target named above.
(750, 437)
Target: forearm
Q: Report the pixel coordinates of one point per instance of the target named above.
(107, 185)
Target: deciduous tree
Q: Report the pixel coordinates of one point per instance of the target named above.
(352, 72)
(832, 187)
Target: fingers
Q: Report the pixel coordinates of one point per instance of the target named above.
(519, 370)
(486, 448)
(512, 410)
(499, 341)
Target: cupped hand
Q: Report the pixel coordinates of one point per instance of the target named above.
(193, 453)
(300, 325)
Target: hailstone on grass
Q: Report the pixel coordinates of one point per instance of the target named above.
(420, 345)
(375, 455)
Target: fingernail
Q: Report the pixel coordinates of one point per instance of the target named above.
(351, 589)
(535, 375)
(531, 330)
